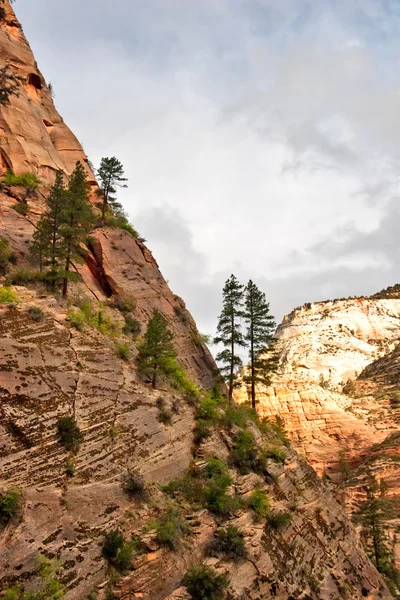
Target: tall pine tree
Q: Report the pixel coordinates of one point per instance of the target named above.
(156, 350)
(46, 244)
(78, 220)
(111, 174)
(229, 331)
(259, 337)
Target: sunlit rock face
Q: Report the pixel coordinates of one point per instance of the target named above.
(322, 346)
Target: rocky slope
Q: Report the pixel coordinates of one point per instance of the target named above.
(49, 369)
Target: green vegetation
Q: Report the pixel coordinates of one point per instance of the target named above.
(28, 180)
(259, 502)
(117, 551)
(259, 337)
(122, 350)
(35, 313)
(373, 516)
(132, 326)
(229, 331)
(85, 313)
(164, 415)
(125, 305)
(50, 587)
(134, 486)
(9, 82)
(245, 455)
(169, 529)
(23, 276)
(279, 519)
(7, 256)
(207, 489)
(111, 175)
(275, 453)
(21, 208)
(64, 227)
(10, 506)
(156, 350)
(69, 434)
(203, 583)
(228, 541)
(7, 295)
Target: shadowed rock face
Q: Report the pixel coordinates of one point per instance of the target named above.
(48, 370)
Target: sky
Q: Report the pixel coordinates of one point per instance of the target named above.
(260, 138)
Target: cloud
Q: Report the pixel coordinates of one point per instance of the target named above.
(259, 137)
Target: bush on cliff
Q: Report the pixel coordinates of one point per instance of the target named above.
(7, 295)
(7, 256)
(228, 541)
(28, 180)
(203, 583)
(117, 551)
(69, 434)
(10, 506)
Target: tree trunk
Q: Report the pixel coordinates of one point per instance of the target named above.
(232, 359)
(65, 281)
(253, 387)
(154, 379)
(103, 212)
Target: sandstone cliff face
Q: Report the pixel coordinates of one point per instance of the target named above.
(344, 431)
(48, 369)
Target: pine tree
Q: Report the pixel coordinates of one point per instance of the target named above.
(111, 175)
(156, 350)
(46, 244)
(259, 336)
(78, 220)
(229, 331)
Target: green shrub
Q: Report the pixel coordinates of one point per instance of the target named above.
(276, 453)
(125, 305)
(50, 587)
(201, 431)
(117, 551)
(21, 208)
(23, 276)
(70, 469)
(36, 313)
(132, 326)
(134, 486)
(179, 378)
(169, 529)
(260, 503)
(27, 180)
(164, 416)
(203, 583)
(120, 220)
(10, 506)
(188, 486)
(69, 434)
(7, 295)
(245, 454)
(77, 319)
(123, 351)
(7, 256)
(279, 519)
(228, 541)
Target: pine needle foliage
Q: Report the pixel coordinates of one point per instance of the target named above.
(229, 331)
(156, 351)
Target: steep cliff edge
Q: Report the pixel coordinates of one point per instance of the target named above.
(49, 369)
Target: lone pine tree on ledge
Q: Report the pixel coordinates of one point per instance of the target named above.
(156, 350)
(259, 337)
(111, 174)
(229, 331)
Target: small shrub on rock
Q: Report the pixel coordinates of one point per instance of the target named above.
(132, 326)
(276, 453)
(245, 454)
(117, 551)
(228, 541)
(23, 276)
(125, 305)
(7, 295)
(259, 502)
(28, 180)
(7, 256)
(279, 519)
(69, 434)
(169, 529)
(134, 486)
(122, 350)
(10, 506)
(203, 583)
(21, 208)
(36, 313)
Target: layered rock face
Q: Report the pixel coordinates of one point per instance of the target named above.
(338, 393)
(49, 369)
(322, 346)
